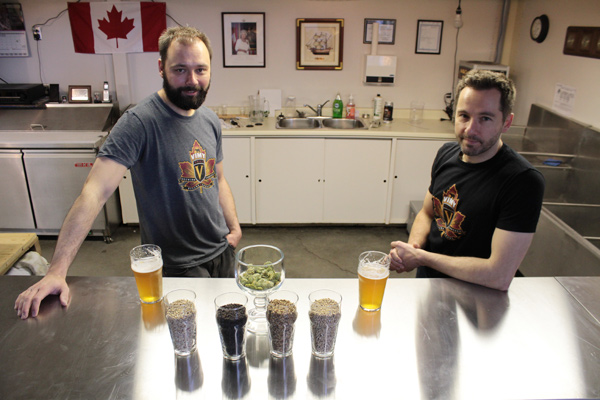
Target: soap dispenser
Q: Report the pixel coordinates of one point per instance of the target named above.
(338, 106)
(351, 108)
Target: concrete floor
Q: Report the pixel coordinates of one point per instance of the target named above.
(310, 251)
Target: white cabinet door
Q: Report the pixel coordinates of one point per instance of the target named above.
(15, 208)
(236, 167)
(356, 180)
(289, 180)
(412, 174)
(56, 178)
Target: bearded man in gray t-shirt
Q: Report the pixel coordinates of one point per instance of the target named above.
(173, 147)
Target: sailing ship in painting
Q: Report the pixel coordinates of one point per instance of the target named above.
(319, 44)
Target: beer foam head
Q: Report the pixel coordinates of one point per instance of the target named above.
(373, 270)
(146, 265)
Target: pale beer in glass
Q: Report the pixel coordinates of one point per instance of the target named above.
(373, 272)
(146, 264)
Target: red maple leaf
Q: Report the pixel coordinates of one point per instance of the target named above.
(116, 28)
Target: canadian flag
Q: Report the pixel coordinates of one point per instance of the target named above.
(124, 27)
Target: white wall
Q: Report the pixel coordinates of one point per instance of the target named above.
(425, 77)
(536, 68)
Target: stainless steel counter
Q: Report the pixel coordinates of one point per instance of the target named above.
(436, 338)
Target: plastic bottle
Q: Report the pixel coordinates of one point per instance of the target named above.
(351, 108)
(338, 106)
(377, 107)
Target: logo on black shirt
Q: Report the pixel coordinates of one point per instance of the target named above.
(447, 219)
(200, 172)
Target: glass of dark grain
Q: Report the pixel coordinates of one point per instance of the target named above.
(231, 317)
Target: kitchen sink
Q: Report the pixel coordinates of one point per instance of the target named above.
(343, 123)
(319, 122)
(297, 123)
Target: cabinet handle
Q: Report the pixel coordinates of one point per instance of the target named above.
(385, 180)
(395, 176)
(247, 176)
(260, 180)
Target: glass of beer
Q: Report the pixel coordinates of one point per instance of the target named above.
(146, 263)
(373, 272)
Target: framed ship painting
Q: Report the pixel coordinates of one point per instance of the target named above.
(319, 44)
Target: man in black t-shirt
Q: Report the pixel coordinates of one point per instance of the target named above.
(484, 200)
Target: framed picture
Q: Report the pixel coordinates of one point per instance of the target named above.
(429, 37)
(243, 40)
(319, 43)
(80, 94)
(582, 41)
(387, 30)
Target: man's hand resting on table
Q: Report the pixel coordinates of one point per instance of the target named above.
(28, 302)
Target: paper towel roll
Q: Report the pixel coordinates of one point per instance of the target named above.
(374, 38)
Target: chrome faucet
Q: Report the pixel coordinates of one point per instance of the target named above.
(319, 110)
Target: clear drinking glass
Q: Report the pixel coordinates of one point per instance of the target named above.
(373, 272)
(416, 111)
(146, 264)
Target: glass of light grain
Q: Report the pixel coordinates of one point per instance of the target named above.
(324, 313)
(180, 312)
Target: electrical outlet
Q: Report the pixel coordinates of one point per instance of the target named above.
(37, 33)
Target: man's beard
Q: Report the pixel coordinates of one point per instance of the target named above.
(484, 146)
(185, 102)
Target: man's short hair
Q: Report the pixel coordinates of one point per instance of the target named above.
(483, 80)
(182, 34)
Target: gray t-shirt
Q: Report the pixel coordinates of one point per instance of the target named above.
(173, 161)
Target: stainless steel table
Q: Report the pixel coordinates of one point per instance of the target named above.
(437, 338)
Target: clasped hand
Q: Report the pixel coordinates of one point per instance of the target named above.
(403, 256)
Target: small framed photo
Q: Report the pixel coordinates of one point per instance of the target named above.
(387, 30)
(429, 37)
(80, 94)
(319, 44)
(243, 40)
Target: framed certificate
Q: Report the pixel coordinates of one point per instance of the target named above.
(429, 37)
(387, 30)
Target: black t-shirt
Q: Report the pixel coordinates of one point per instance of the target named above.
(471, 200)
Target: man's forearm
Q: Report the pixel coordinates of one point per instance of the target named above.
(73, 232)
(497, 271)
(228, 206)
(420, 230)
(470, 269)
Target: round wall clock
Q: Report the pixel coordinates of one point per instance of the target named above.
(539, 28)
